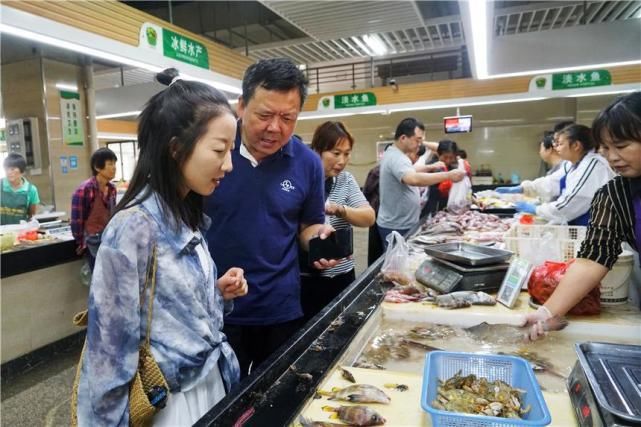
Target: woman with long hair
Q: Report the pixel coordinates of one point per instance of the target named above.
(185, 134)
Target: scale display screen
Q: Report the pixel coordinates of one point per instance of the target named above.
(437, 277)
(517, 275)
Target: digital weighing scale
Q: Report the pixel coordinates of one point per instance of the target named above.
(445, 276)
(604, 385)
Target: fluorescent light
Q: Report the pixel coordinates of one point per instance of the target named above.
(19, 32)
(324, 116)
(563, 69)
(463, 104)
(345, 114)
(233, 101)
(3, 123)
(113, 135)
(610, 92)
(375, 44)
(64, 86)
(478, 18)
(218, 85)
(362, 46)
(23, 19)
(115, 115)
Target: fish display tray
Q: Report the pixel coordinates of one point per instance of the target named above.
(614, 373)
(466, 253)
(515, 371)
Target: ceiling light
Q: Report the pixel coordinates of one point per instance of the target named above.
(51, 41)
(3, 123)
(564, 69)
(64, 86)
(21, 24)
(119, 136)
(375, 44)
(360, 44)
(610, 92)
(345, 114)
(478, 18)
(464, 104)
(115, 115)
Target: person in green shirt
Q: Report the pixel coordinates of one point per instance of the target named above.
(19, 197)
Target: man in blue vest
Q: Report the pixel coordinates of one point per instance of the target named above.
(271, 203)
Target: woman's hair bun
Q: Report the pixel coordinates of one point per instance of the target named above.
(166, 76)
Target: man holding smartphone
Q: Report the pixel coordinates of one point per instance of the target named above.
(271, 203)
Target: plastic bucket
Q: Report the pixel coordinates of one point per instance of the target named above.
(614, 286)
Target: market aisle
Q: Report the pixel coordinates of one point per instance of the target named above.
(40, 396)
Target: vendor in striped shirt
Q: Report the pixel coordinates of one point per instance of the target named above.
(345, 206)
(615, 212)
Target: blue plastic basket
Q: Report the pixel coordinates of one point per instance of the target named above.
(512, 370)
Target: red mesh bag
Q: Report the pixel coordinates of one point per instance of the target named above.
(546, 277)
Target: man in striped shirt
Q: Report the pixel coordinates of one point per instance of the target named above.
(615, 213)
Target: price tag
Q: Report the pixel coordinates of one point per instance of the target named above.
(516, 277)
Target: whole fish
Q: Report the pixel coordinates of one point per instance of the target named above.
(356, 415)
(510, 334)
(358, 393)
(463, 299)
(305, 422)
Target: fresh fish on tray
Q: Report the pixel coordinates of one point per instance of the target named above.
(357, 393)
(510, 334)
(464, 299)
(305, 422)
(356, 415)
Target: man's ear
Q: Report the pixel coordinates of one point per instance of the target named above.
(240, 107)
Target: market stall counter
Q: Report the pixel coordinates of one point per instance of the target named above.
(362, 334)
(384, 344)
(41, 291)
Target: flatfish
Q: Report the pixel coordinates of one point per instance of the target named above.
(509, 334)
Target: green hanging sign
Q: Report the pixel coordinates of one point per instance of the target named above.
(174, 45)
(351, 100)
(184, 49)
(581, 79)
(71, 118)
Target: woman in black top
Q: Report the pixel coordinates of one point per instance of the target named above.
(615, 211)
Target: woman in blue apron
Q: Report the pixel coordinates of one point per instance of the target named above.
(19, 197)
(582, 173)
(616, 210)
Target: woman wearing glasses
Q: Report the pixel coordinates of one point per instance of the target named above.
(582, 173)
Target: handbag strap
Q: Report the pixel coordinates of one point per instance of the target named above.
(150, 277)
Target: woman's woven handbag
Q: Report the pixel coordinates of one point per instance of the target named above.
(148, 390)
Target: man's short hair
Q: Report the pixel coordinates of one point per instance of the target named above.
(100, 157)
(15, 160)
(407, 127)
(279, 74)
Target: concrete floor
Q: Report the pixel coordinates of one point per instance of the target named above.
(41, 396)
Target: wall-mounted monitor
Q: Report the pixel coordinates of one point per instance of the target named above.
(457, 124)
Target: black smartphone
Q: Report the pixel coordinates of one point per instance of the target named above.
(339, 244)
